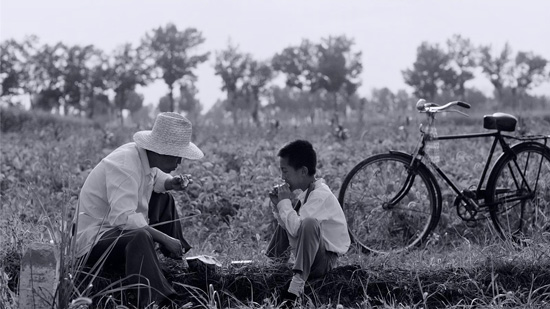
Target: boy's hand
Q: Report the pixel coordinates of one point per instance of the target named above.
(280, 193)
(274, 199)
(284, 192)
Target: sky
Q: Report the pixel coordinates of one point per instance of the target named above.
(387, 32)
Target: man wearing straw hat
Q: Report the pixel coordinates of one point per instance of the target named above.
(123, 209)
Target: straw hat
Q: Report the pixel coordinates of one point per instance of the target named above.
(171, 135)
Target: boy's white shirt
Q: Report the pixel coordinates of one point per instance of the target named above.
(322, 205)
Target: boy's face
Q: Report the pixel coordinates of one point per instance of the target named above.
(293, 177)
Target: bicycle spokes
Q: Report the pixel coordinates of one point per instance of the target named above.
(521, 193)
(387, 206)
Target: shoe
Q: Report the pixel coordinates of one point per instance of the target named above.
(288, 300)
(286, 295)
(168, 302)
(165, 304)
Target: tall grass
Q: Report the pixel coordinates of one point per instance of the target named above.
(461, 266)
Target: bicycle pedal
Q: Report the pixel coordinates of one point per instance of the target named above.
(464, 209)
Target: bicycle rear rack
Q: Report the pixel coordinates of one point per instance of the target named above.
(529, 137)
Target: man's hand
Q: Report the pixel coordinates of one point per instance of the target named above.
(179, 183)
(174, 246)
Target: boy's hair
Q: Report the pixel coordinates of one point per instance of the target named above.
(300, 153)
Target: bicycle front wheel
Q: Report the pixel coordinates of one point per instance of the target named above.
(519, 194)
(390, 207)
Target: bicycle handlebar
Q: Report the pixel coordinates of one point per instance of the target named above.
(425, 107)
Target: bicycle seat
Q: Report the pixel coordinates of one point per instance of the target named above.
(500, 122)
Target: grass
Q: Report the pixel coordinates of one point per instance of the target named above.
(467, 277)
(461, 266)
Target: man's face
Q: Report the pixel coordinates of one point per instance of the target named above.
(290, 175)
(168, 163)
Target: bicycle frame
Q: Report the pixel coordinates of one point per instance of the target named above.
(498, 138)
(406, 201)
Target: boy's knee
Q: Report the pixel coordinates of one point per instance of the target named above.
(310, 225)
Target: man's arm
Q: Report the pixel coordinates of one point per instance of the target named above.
(160, 178)
(168, 184)
(122, 195)
(172, 244)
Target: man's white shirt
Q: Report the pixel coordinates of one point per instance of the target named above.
(116, 194)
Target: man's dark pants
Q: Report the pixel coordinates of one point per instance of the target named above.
(135, 251)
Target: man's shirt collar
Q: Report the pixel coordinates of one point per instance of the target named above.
(144, 161)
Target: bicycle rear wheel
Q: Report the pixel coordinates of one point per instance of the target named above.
(378, 225)
(519, 195)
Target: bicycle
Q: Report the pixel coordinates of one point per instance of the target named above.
(393, 200)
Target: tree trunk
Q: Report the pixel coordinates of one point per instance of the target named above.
(362, 105)
(462, 92)
(123, 100)
(31, 100)
(66, 108)
(92, 103)
(171, 97)
(256, 109)
(232, 107)
(335, 101)
(498, 88)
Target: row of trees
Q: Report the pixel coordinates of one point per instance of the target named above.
(329, 67)
(322, 75)
(79, 79)
(437, 69)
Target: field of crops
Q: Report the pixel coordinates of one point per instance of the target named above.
(45, 160)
